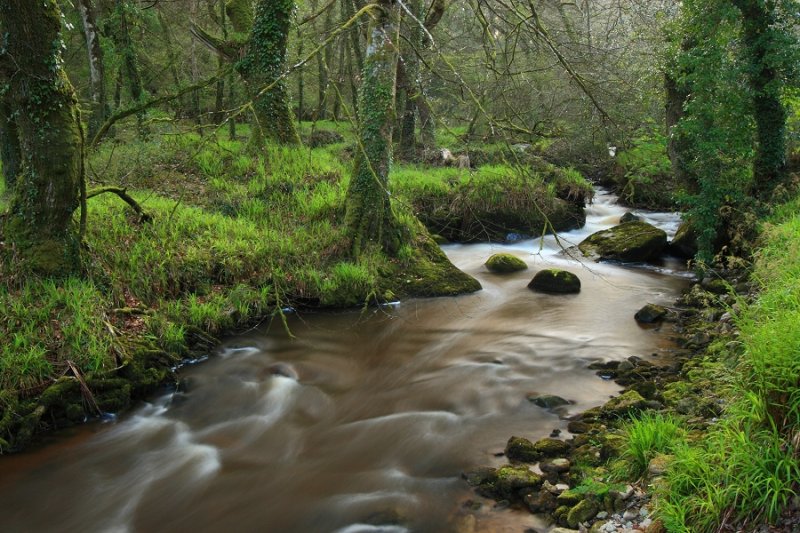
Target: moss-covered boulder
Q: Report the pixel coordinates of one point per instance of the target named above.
(650, 313)
(428, 273)
(510, 482)
(521, 449)
(570, 498)
(624, 404)
(585, 510)
(557, 465)
(504, 263)
(684, 243)
(628, 217)
(555, 281)
(550, 447)
(629, 242)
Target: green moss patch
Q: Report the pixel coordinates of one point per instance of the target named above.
(504, 263)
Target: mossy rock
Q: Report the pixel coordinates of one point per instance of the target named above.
(556, 465)
(684, 243)
(570, 498)
(547, 401)
(548, 447)
(428, 273)
(521, 449)
(555, 281)
(584, 511)
(624, 404)
(629, 242)
(511, 482)
(650, 314)
(504, 263)
(659, 464)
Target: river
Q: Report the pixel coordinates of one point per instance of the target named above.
(357, 421)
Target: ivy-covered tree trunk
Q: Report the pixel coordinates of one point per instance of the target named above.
(761, 43)
(97, 76)
(264, 61)
(9, 144)
(38, 229)
(369, 215)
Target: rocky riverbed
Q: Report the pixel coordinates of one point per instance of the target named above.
(578, 480)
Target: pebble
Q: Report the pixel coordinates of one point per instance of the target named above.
(629, 515)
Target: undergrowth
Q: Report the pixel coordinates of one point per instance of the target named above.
(745, 469)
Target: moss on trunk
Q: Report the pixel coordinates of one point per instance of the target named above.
(762, 44)
(9, 146)
(264, 61)
(39, 225)
(369, 216)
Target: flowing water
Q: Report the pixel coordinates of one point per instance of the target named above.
(360, 422)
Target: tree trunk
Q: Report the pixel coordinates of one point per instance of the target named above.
(263, 63)
(676, 96)
(355, 55)
(173, 61)
(127, 50)
(9, 146)
(769, 167)
(99, 108)
(369, 217)
(38, 230)
(410, 64)
(194, 67)
(219, 101)
(301, 82)
(426, 123)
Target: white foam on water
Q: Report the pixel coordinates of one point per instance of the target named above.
(369, 528)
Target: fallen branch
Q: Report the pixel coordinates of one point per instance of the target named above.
(123, 194)
(85, 392)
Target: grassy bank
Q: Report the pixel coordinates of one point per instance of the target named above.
(229, 239)
(744, 470)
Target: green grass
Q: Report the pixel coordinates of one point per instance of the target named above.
(648, 435)
(746, 467)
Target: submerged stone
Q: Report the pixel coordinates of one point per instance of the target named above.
(547, 401)
(504, 263)
(555, 281)
(631, 241)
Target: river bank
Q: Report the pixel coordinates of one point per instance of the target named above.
(363, 418)
(225, 241)
(705, 443)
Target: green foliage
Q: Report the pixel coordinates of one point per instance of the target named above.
(647, 170)
(746, 465)
(648, 435)
(734, 61)
(47, 323)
